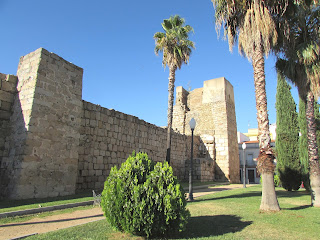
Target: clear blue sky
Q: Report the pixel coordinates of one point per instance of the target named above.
(113, 42)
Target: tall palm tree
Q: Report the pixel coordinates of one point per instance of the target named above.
(176, 48)
(251, 23)
(300, 63)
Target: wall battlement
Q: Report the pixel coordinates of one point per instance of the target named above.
(53, 143)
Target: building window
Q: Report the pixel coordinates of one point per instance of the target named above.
(250, 158)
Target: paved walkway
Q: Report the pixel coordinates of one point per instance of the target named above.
(55, 222)
(205, 190)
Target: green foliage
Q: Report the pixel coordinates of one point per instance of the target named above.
(303, 145)
(174, 42)
(317, 118)
(144, 198)
(303, 141)
(276, 180)
(288, 165)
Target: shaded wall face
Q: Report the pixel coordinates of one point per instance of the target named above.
(8, 91)
(108, 137)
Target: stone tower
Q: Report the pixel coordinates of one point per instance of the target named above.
(40, 156)
(213, 108)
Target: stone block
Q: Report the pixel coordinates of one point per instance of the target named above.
(6, 96)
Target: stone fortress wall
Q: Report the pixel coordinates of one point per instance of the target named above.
(108, 137)
(213, 108)
(53, 143)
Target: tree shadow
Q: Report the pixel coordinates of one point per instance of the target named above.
(297, 208)
(280, 194)
(209, 226)
(242, 195)
(291, 194)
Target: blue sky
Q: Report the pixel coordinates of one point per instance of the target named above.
(113, 42)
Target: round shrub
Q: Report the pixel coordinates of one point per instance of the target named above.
(276, 181)
(144, 198)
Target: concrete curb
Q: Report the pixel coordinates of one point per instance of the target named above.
(45, 209)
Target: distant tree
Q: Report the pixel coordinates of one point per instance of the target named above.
(176, 48)
(300, 63)
(303, 145)
(288, 165)
(303, 141)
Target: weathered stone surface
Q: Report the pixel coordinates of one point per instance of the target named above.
(45, 126)
(213, 109)
(53, 143)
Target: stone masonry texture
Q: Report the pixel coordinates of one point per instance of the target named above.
(41, 151)
(213, 108)
(53, 143)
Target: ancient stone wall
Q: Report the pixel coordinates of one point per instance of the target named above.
(53, 143)
(8, 84)
(42, 149)
(108, 137)
(213, 109)
(8, 89)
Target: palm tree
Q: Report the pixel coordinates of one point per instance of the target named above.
(176, 48)
(300, 63)
(251, 23)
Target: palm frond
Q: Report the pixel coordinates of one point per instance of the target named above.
(174, 42)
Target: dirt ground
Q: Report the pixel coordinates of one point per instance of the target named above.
(55, 222)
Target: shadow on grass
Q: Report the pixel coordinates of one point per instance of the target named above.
(242, 195)
(280, 194)
(298, 207)
(284, 193)
(209, 226)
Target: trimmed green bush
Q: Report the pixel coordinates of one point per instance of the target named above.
(276, 180)
(287, 147)
(144, 198)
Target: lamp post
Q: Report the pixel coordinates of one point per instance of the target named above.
(244, 146)
(192, 124)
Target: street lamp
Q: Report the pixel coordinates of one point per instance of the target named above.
(192, 125)
(244, 146)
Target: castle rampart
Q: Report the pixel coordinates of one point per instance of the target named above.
(41, 150)
(53, 143)
(108, 137)
(213, 108)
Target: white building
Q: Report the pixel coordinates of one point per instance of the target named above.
(251, 153)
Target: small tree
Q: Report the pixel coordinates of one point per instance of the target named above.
(303, 145)
(144, 198)
(303, 141)
(288, 165)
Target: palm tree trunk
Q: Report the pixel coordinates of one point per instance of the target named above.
(265, 166)
(172, 76)
(313, 152)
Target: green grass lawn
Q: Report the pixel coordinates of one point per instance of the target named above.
(232, 214)
(17, 205)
